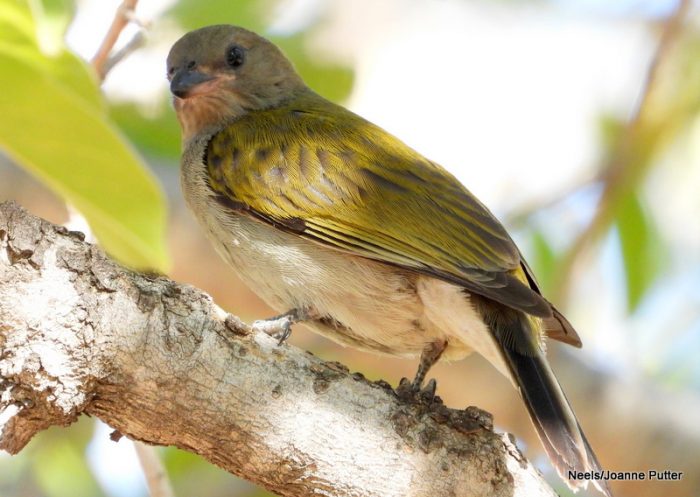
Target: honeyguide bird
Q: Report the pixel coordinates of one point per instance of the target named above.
(333, 221)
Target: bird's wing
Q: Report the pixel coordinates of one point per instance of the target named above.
(332, 177)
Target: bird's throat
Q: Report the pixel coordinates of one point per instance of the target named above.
(204, 113)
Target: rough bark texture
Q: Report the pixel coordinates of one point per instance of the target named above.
(155, 360)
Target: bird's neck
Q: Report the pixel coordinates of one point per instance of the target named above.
(209, 113)
(204, 114)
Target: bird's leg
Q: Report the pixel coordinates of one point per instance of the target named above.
(430, 355)
(280, 327)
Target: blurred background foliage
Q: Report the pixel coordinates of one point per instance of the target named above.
(72, 146)
(499, 92)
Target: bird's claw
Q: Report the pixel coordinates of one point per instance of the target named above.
(279, 327)
(404, 390)
(409, 390)
(427, 393)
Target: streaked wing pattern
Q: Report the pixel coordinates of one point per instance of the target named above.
(329, 175)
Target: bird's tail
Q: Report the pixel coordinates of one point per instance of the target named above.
(550, 412)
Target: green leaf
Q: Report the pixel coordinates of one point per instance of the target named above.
(188, 470)
(61, 471)
(332, 81)
(641, 249)
(194, 14)
(58, 462)
(544, 261)
(21, 37)
(52, 20)
(139, 129)
(54, 124)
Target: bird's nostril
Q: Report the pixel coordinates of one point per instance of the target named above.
(191, 65)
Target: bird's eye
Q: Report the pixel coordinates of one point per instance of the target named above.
(171, 71)
(235, 56)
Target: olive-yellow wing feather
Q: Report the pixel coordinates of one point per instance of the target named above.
(327, 174)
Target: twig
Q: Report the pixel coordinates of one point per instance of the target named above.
(122, 17)
(156, 476)
(134, 44)
(621, 169)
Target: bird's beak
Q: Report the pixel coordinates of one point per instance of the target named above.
(187, 83)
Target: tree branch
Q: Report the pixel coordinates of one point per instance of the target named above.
(101, 60)
(623, 170)
(153, 470)
(154, 359)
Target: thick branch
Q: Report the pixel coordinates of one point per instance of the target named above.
(154, 359)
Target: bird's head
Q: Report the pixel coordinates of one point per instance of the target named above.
(219, 73)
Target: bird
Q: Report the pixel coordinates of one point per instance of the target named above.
(336, 223)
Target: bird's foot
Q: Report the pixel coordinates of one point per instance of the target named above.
(427, 393)
(280, 327)
(410, 390)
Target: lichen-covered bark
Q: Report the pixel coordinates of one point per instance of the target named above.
(155, 360)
